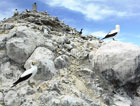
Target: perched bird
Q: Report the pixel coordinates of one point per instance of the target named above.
(28, 74)
(27, 10)
(81, 31)
(35, 7)
(113, 33)
(16, 12)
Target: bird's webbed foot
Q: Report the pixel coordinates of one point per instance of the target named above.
(113, 39)
(31, 84)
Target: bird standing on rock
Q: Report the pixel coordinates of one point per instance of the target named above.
(113, 33)
(27, 75)
(81, 31)
(35, 7)
(16, 12)
(27, 10)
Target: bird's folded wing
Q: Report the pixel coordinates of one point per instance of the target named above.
(29, 71)
(112, 32)
(22, 79)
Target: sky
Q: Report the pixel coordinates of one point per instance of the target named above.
(96, 17)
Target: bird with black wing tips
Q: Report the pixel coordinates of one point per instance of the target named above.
(28, 74)
(113, 33)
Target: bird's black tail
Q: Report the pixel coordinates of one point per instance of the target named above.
(102, 38)
(13, 85)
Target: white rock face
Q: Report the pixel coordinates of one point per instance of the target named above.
(46, 68)
(61, 40)
(6, 26)
(19, 49)
(12, 99)
(67, 101)
(121, 101)
(61, 61)
(79, 53)
(38, 37)
(50, 45)
(118, 61)
(1, 97)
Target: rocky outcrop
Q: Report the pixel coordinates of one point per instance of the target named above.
(118, 62)
(122, 101)
(19, 49)
(62, 61)
(67, 101)
(6, 26)
(11, 98)
(46, 67)
(1, 97)
(73, 70)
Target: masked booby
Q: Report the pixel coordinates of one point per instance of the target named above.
(113, 33)
(27, 75)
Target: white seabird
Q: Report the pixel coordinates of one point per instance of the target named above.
(113, 33)
(27, 75)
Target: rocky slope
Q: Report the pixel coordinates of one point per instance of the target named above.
(74, 70)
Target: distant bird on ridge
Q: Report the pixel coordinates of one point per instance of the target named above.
(113, 33)
(16, 12)
(81, 31)
(27, 10)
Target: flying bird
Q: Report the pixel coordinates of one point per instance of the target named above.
(27, 75)
(113, 33)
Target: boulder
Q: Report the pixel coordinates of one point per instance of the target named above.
(6, 26)
(29, 33)
(118, 62)
(136, 101)
(1, 97)
(79, 53)
(47, 96)
(50, 45)
(3, 39)
(66, 100)
(23, 43)
(2, 54)
(62, 61)
(11, 98)
(46, 68)
(29, 103)
(63, 39)
(19, 49)
(119, 100)
(93, 44)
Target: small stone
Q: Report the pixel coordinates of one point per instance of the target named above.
(62, 61)
(1, 97)
(11, 98)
